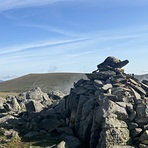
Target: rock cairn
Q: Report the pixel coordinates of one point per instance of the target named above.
(107, 110)
(110, 109)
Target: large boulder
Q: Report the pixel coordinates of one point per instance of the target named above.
(36, 94)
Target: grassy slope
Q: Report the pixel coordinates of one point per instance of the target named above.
(47, 82)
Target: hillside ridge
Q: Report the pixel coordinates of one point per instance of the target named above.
(62, 81)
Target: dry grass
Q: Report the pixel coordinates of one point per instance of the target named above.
(17, 143)
(47, 82)
(4, 94)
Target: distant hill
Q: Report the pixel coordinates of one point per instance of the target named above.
(47, 82)
(142, 77)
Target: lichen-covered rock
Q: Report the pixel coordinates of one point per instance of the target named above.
(114, 132)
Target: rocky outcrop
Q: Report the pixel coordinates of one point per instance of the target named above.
(32, 113)
(107, 110)
(110, 109)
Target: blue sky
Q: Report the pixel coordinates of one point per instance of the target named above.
(40, 36)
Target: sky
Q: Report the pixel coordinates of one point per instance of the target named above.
(42, 36)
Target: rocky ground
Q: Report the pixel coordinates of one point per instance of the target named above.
(108, 110)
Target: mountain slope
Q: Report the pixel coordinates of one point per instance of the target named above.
(47, 82)
(142, 77)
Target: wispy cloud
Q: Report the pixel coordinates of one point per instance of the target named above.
(84, 53)
(111, 3)
(51, 29)
(13, 4)
(40, 44)
(105, 41)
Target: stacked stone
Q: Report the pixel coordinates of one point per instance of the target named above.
(107, 110)
(110, 109)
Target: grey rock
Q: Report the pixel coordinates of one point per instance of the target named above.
(123, 94)
(79, 90)
(133, 81)
(144, 136)
(2, 101)
(54, 95)
(121, 113)
(7, 107)
(90, 87)
(22, 106)
(146, 127)
(113, 63)
(137, 97)
(143, 146)
(136, 131)
(84, 117)
(49, 124)
(131, 111)
(110, 97)
(145, 82)
(142, 113)
(31, 135)
(6, 118)
(15, 105)
(34, 106)
(107, 86)
(144, 86)
(80, 82)
(2, 109)
(115, 132)
(65, 130)
(123, 146)
(98, 83)
(11, 133)
(62, 144)
(102, 75)
(132, 125)
(71, 141)
(137, 88)
(36, 94)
